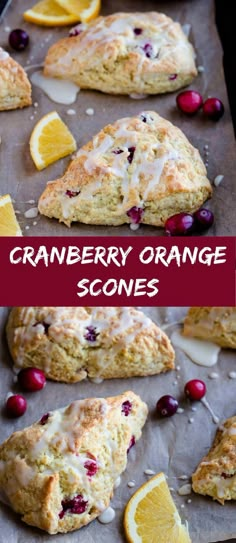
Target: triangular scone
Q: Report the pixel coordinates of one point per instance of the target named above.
(72, 343)
(216, 324)
(15, 88)
(59, 473)
(216, 473)
(125, 53)
(140, 169)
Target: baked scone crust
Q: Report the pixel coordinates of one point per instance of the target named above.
(216, 324)
(125, 53)
(216, 473)
(15, 88)
(59, 473)
(72, 343)
(142, 162)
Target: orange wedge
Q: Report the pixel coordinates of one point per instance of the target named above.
(8, 221)
(86, 10)
(151, 515)
(49, 13)
(50, 140)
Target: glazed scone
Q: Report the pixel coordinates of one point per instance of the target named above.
(59, 473)
(141, 169)
(216, 324)
(72, 343)
(15, 88)
(125, 53)
(216, 473)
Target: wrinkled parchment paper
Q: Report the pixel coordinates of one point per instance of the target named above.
(18, 174)
(173, 445)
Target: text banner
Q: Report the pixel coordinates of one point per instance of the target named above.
(117, 271)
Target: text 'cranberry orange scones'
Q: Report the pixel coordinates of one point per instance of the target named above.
(59, 473)
(141, 169)
(15, 88)
(72, 343)
(216, 473)
(217, 324)
(125, 53)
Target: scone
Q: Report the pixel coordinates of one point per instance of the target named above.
(72, 343)
(141, 169)
(216, 324)
(15, 88)
(59, 473)
(125, 53)
(216, 473)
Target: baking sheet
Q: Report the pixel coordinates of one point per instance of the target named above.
(18, 173)
(173, 445)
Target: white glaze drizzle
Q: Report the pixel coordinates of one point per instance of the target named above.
(215, 419)
(3, 55)
(60, 91)
(107, 516)
(201, 352)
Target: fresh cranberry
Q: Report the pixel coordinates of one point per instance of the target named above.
(167, 406)
(195, 389)
(135, 213)
(45, 325)
(131, 444)
(173, 77)
(126, 408)
(16, 405)
(227, 475)
(76, 506)
(117, 151)
(91, 467)
(213, 109)
(204, 218)
(189, 101)
(148, 50)
(181, 224)
(72, 193)
(31, 379)
(138, 31)
(131, 154)
(91, 334)
(44, 419)
(18, 39)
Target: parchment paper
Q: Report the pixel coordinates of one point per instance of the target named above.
(18, 173)
(173, 445)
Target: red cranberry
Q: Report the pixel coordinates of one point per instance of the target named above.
(195, 389)
(91, 333)
(126, 408)
(138, 31)
(180, 224)
(72, 193)
(117, 151)
(189, 101)
(31, 379)
(173, 77)
(18, 39)
(135, 213)
(131, 444)
(131, 154)
(204, 218)
(213, 109)
(16, 405)
(91, 467)
(44, 419)
(76, 505)
(45, 325)
(167, 406)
